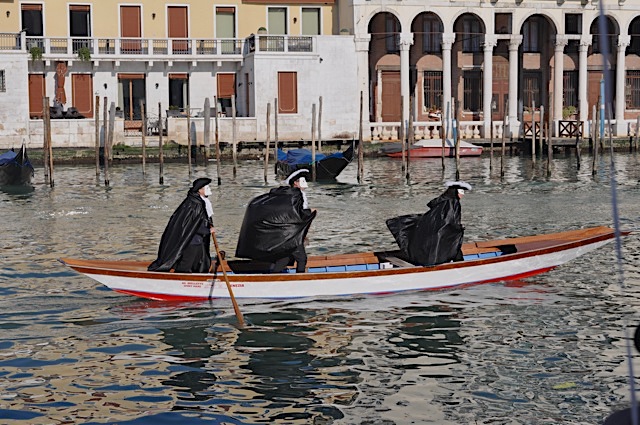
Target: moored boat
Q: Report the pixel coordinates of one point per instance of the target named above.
(433, 149)
(351, 274)
(15, 168)
(328, 167)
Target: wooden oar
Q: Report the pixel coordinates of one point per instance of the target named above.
(226, 279)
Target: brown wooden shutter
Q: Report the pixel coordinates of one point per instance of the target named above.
(178, 76)
(226, 85)
(31, 7)
(36, 93)
(178, 22)
(130, 76)
(79, 8)
(130, 22)
(82, 88)
(287, 92)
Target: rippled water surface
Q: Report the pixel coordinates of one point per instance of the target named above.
(545, 350)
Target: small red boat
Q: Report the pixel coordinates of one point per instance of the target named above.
(432, 149)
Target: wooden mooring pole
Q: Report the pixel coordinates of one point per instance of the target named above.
(313, 143)
(109, 143)
(533, 133)
(504, 130)
(637, 132)
(360, 147)
(402, 138)
(46, 140)
(160, 143)
(189, 139)
(410, 139)
(275, 129)
(233, 136)
(217, 138)
(144, 137)
(320, 124)
(97, 135)
(267, 147)
(105, 141)
(207, 131)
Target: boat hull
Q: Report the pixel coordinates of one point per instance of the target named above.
(327, 169)
(433, 149)
(15, 169)
(177, 286)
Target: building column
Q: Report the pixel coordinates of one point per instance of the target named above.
(447, 41)
(362, 55)
(558, 74)
(623, 43)
(514, 45)
(490, 41)
(583, 99)
(405, 42)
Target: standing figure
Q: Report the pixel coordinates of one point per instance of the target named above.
(275, 226)
(434, 237)
(184, 246)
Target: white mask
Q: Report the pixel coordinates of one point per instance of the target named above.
(303, 183)
(207, 191)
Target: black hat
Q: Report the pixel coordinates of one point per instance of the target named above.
(199, 184)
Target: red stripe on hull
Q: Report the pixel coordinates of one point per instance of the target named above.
(159, 297)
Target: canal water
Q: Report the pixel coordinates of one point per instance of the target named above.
(545, 350)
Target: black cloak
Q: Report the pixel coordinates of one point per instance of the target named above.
(182, 226)
(274, 225)
(434, 237)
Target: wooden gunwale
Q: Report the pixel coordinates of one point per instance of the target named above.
(529, 246)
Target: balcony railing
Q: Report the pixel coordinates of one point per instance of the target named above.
(149, 48)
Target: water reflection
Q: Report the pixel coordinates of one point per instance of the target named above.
(549, 349)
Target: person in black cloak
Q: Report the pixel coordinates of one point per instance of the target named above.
(275, 226)
(434, 237)
(184, 246)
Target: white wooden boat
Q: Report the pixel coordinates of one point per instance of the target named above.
(348, 274)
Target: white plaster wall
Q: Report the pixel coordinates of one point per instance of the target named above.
(330, 73)
(245, 130)
(14, 102)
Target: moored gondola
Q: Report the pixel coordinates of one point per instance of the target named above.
(15, 168)
(328, 167)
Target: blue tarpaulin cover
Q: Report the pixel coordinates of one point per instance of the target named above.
(303, 156)
(8, 158)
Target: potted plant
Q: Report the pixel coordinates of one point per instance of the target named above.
(345, 31)
(262, 30)
(569, 112)
(36, 53)
(84, 53)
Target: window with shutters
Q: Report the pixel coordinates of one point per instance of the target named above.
(310, 21)
(287, 92)
(31, 15)
(277, 20)
(3, 82)
(226, 29)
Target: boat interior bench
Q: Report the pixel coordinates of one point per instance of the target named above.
(361, 261)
